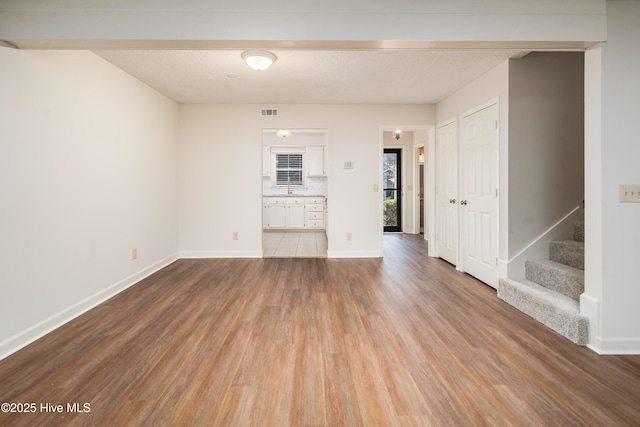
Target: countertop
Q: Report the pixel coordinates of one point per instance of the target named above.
(294, 195)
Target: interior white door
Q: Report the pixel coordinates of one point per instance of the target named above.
(447, 191)
(479, 195)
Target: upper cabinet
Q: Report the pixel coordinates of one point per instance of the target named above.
(316, 165)
(266, 161)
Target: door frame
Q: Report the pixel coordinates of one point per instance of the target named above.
(429, 176)
(416, 185)
(399, 189)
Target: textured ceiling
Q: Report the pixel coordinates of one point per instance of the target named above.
(309, 76)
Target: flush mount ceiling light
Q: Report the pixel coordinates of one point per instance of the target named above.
(283, 133)
(258, 60)
(398, 134)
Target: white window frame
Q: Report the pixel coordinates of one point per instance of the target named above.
(274, 170)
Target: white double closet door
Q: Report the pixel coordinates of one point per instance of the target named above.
(467, 193)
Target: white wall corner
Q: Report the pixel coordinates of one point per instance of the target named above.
(40, 329)
(503, 269)
(590, 307)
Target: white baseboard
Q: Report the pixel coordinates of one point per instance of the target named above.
(220, 254)
(353, 254)
(618, 346)
(40, 329)
(590, 307)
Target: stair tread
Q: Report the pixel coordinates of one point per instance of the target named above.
(569, 243)
(550, 295)
(553, 309)
(556, 265)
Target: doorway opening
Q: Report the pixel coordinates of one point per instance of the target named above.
(294, 193)
(392, 188)
(420, 184)
(413, 201)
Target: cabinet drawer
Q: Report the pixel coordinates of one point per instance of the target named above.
(275, 200)
(314, 215)
(314, 200)
(314, 208)
(295, 201)
(314, 223)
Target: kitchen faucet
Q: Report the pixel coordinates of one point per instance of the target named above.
(288, 185)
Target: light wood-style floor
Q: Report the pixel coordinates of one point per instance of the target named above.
(399, 341)
(292, 244)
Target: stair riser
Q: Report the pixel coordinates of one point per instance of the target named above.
(567, 254)
(556, 315)
(578, 231)
(569, 282)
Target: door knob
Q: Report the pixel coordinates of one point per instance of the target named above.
(452, 200)
(463, 203)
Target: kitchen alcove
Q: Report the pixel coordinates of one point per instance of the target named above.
(294, 193)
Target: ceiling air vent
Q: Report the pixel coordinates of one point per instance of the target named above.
(269, 112)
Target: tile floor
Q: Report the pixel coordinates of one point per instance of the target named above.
(294, 245)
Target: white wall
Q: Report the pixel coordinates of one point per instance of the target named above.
(612, 287)
(87, 172)
(220, 183)
(546, 144)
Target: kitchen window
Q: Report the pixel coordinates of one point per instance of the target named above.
(289, 169)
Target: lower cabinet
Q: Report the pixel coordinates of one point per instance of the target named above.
(293, 212)
(314, 212)
(277, 216)
(295, 215)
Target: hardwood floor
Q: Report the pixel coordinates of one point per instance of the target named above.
(403, 340)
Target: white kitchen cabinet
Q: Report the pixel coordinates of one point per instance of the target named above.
(266, 161)
(295, 216)
(316, 161)
(293, 212)
(314, 212)
(277, 216)
(276, 212)
(265, 214)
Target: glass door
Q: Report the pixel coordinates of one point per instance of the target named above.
(392, 189)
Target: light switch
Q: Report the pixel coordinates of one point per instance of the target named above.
(630, 193)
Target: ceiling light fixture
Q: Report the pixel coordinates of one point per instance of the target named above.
(283, 133)
(258, 60)
(398, 134)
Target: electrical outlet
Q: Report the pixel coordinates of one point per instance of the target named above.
(375, 188)
(134, 253)
(630, 193)
(235, 235)
(349, 236)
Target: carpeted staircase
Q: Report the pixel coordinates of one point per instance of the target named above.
(550, 291)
